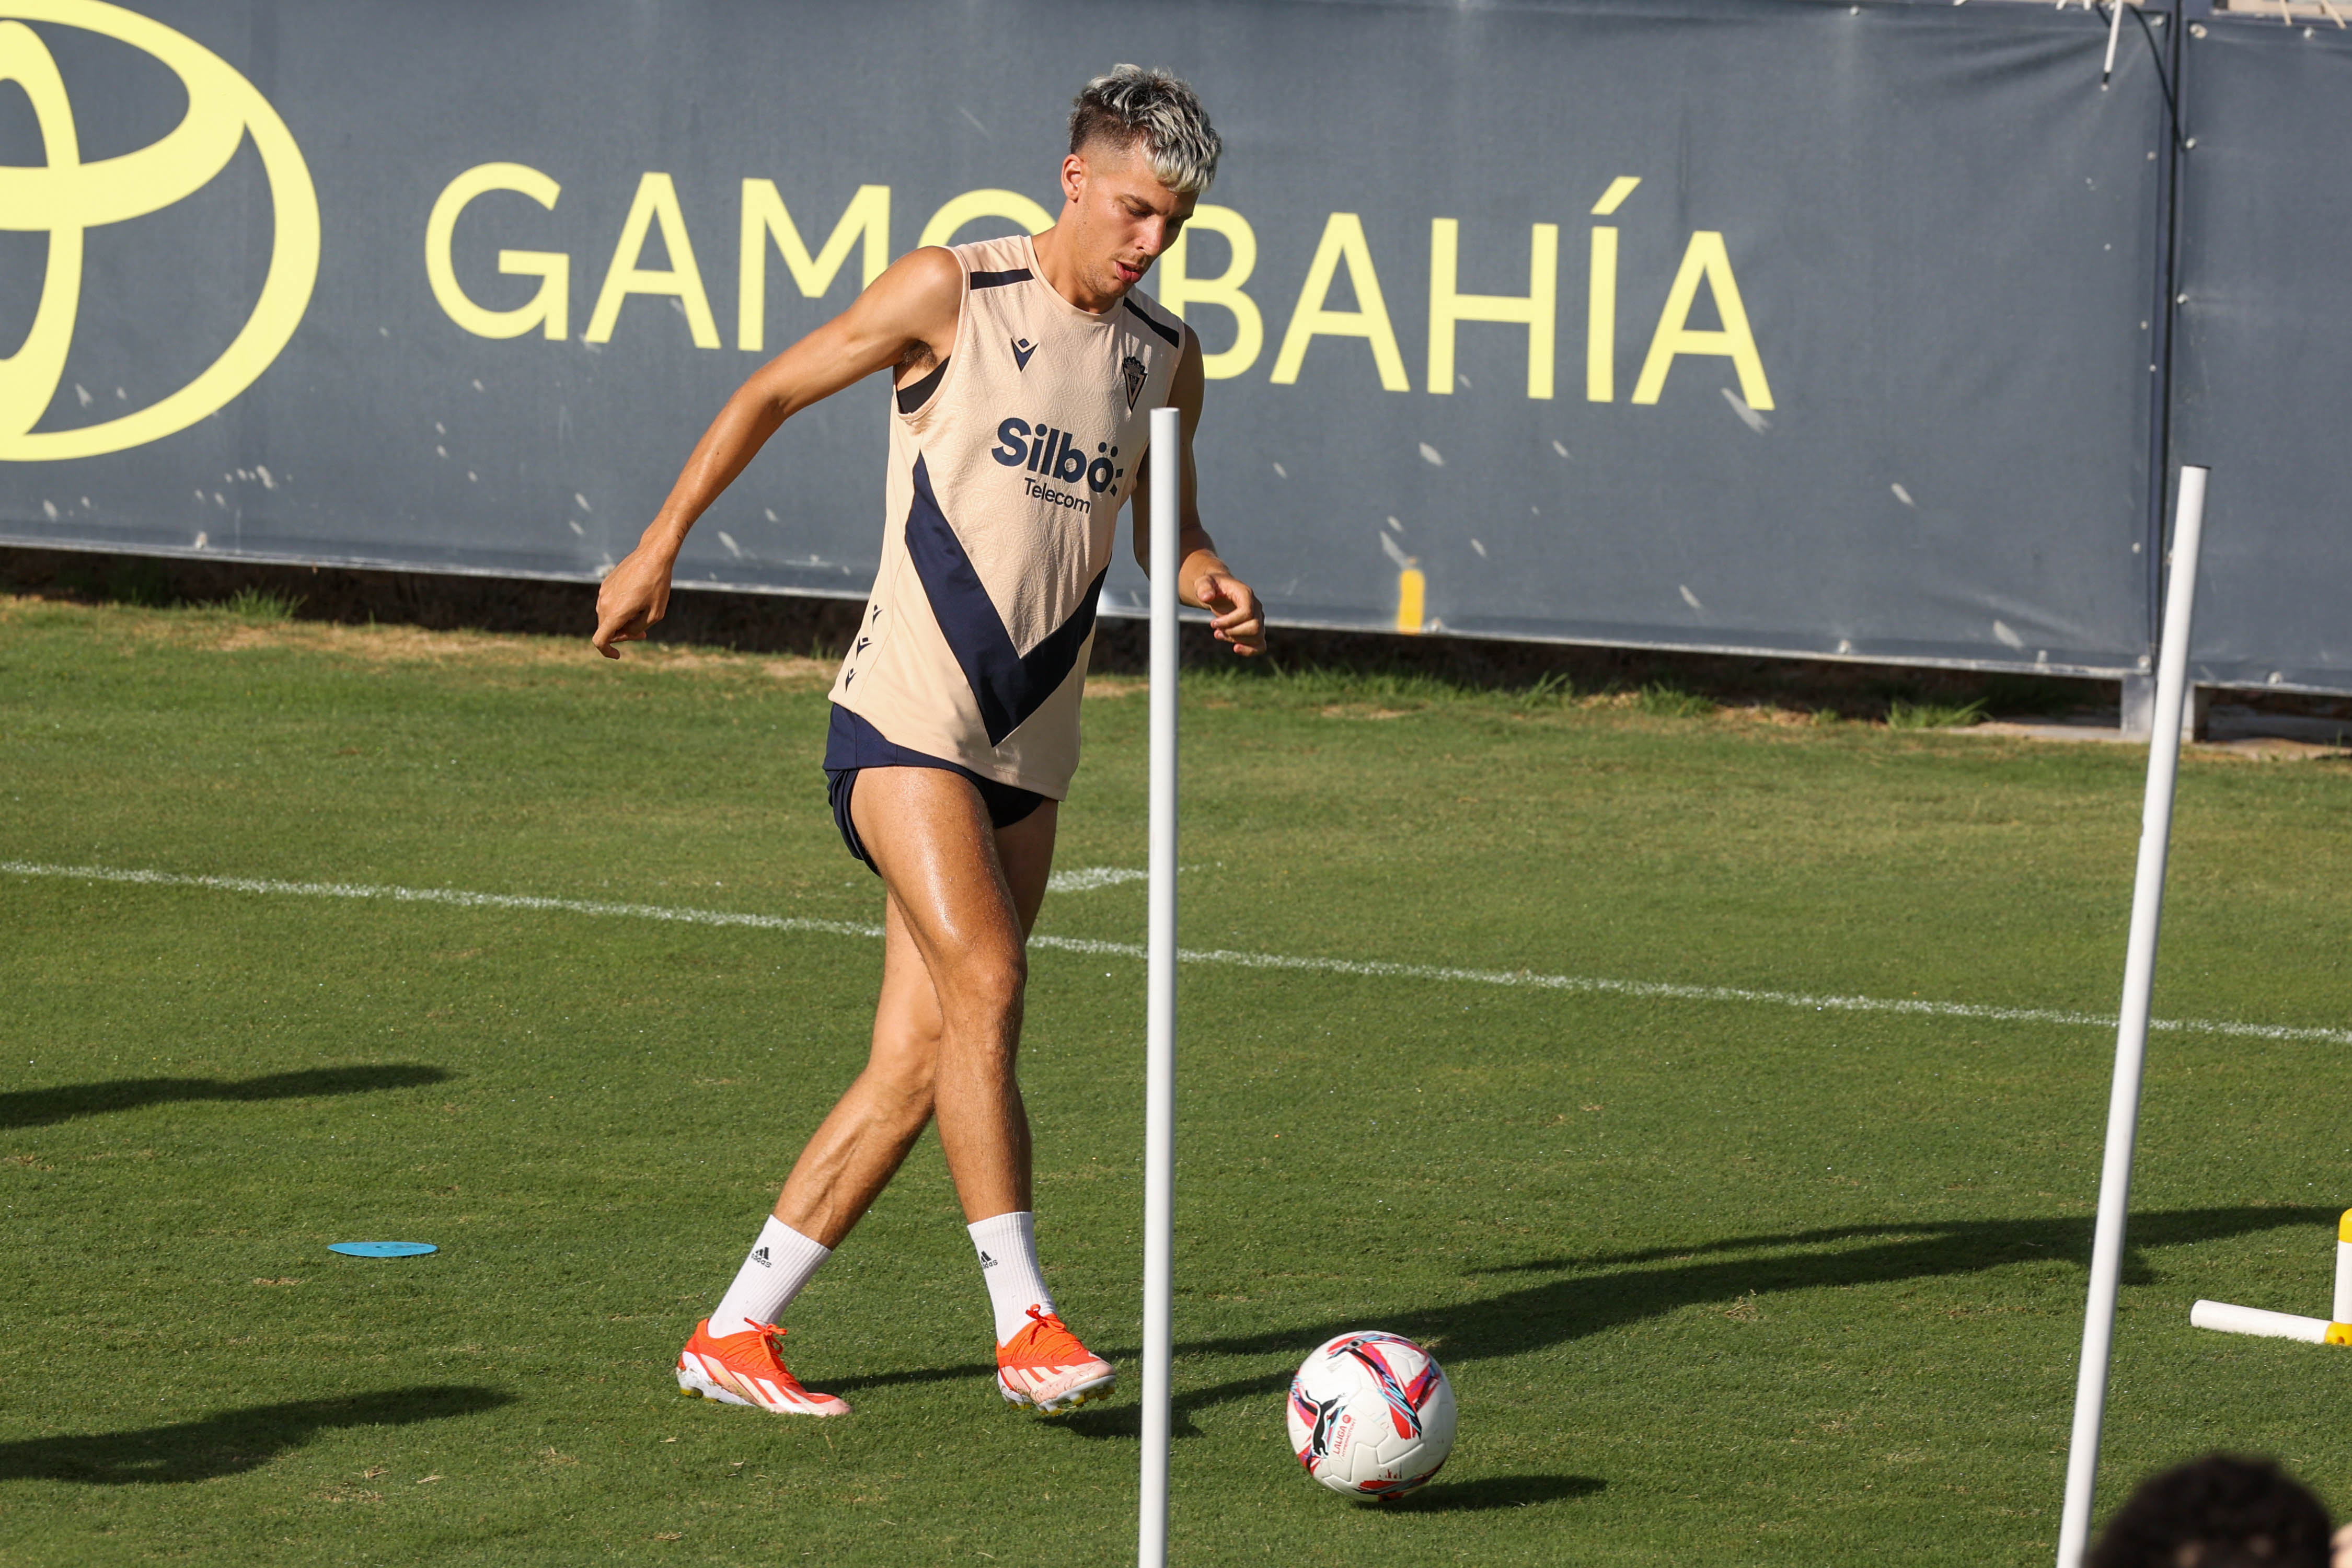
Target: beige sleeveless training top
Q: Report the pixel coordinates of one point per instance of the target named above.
(1008, 467)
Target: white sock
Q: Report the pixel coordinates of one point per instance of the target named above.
(1008, 1261)
(781, 1261)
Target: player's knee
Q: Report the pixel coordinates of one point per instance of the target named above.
(992, 983)
(903, 1080)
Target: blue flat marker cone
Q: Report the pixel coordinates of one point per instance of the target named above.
(382, 1248)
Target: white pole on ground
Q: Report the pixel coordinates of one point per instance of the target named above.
(2230, 1320)
(1167, 451)
(2131, 1030)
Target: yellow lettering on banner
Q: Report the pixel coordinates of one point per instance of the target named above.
(1343, 241)
(551, 308)
(1600, 297)
(973, 205)
(1178, 289)
(1612, 199)
(1538, 309)
(765, 219)
(1707, 258)
(656, 201)
(1600, 321)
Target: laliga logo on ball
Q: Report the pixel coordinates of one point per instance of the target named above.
(65, 197)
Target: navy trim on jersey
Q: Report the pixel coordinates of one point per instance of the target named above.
(1175, 338)
(915, 394)
(998, 279)
(1008, 684)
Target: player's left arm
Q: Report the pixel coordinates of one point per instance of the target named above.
(1203, 578)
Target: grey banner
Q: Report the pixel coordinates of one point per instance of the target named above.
(1754, 324)
(2264, 368)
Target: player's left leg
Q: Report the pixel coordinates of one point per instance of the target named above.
(1039, 1360)
(967, 868)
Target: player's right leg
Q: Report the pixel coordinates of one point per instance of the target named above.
(735, 1355)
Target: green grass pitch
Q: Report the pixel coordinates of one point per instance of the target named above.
(1717, 1282)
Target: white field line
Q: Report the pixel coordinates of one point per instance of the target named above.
(1087, 878)
(1372, 969)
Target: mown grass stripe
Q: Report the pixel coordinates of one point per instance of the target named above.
(1372, 969)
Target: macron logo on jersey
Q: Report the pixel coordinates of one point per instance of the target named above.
(1022, 348)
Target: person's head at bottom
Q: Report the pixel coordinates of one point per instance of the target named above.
(2218, 1512)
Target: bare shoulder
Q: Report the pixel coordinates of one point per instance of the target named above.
(931, 273)
(920, 295)
(916, 301)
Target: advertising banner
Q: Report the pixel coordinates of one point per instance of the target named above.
(2262, 369)
(1748, 324)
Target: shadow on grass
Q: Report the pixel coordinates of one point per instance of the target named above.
(1125, 1422)
(229, 1442)
(41, 1107)
(1606, 1291)
(977, 1370)
(1495, 1492)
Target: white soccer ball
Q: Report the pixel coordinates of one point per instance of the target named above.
(1372, 1415)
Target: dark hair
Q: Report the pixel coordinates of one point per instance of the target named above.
(2217, 1512)
(1127, 103)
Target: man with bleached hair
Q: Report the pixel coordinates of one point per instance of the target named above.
(1024, 374)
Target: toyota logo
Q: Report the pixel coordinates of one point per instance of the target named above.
(65, 197)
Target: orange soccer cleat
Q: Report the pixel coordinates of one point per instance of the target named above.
(749, 1369)
(1045, 1365)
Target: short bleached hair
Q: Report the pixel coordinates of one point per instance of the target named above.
(1128, 104)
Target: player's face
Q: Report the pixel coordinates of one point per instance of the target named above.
(1119, 214)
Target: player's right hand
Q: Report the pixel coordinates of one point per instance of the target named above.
(636, 596)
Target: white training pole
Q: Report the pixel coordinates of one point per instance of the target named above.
(1167, 451)
(2115, 30)
(2131, 1030)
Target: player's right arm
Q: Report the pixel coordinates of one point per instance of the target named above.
(906, 318)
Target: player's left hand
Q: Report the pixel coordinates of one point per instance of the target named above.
(1235, 614)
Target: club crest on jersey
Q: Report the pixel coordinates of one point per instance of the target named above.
(1022, 348)
(1132, 371)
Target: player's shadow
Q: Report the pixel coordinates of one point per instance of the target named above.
(1605, 1290)
(228, 1442)
(1495, 1492)
(41, 1107)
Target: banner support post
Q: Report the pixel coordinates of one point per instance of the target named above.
(2131, 1028)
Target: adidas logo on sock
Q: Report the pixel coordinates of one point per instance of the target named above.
(986, 1261)
(760, 1256)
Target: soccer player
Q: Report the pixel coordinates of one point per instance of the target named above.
(1024, 372)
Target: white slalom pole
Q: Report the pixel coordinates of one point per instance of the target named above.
(2131, 1030)
(1166, 450)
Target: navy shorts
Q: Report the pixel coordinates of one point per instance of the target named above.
(851, 746)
